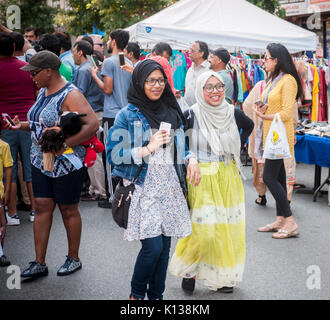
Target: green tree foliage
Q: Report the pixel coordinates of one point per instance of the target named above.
(34, 13)
(107, 15)
(271, 6)
(81, 17)
(123, 13)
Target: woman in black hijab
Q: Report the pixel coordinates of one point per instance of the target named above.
(158, 209)
(165, 108)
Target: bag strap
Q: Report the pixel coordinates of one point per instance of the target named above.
(138, 172)
(277, 117)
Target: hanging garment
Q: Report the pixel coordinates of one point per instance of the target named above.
(179, 68)
(322, 95)
(315, 94)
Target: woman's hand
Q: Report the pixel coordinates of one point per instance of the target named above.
(262, 108)
(262, 115)
(8, 126)
(160, 138)
(193, 172)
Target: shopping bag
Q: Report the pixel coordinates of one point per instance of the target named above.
(276, 144)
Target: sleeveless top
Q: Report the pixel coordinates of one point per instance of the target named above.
(44, 114)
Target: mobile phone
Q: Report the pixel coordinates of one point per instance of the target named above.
(165, 126)
(259, 103)
(121, 59)
(8, 119)
(91, 61)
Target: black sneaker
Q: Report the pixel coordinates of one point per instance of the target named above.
(4, 262)
(69, 266)
(188, 284)
(106, 204)
(226, 289)
(35, 270)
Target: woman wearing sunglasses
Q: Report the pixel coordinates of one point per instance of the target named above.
(62, 184)
(279, 96)
(215, 251)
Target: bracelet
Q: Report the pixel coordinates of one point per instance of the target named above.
(149, 150)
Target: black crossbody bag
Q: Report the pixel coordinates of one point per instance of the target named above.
(122, 200)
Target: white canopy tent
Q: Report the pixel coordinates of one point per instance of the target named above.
(235, 25)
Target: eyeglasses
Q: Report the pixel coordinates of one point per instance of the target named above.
(268, 58)
(34, 73)
(193, 51)
(152, 82)
(210, 88)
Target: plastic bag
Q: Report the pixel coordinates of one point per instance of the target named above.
(276, 144)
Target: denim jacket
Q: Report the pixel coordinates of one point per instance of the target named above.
(130, 132)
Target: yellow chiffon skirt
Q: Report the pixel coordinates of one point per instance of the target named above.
(215, 251)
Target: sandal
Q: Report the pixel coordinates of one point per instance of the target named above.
(269, 228)
(261, 200)
(284, 234)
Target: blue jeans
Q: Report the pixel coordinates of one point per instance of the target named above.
(19, 142)
(150, 268)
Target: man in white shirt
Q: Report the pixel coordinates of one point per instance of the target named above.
(198, 54)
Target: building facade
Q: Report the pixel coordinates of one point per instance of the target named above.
(313, 15)
(60, 4)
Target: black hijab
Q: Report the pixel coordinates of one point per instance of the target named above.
(166, 108)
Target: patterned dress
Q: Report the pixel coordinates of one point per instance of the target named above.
(45, 114)
(158, 206)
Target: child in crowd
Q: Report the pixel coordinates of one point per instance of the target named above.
(6, 164)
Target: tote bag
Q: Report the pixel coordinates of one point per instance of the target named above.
(276, 144)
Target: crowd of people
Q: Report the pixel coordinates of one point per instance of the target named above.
(188, 177)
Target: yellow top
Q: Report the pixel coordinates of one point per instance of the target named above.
(282, 100)
(6, 160)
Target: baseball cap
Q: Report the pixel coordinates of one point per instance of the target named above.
(223, 54)
(43, 60)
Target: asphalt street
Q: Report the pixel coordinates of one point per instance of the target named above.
(291, 269)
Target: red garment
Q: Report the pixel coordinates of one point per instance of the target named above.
(17, 89)
(93, 146)
(167, 68)
(322, 96)
(188, 61)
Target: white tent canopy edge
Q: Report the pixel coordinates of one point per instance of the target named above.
(235, 25)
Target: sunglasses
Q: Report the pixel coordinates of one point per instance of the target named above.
(268, 58)
(34, 73)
